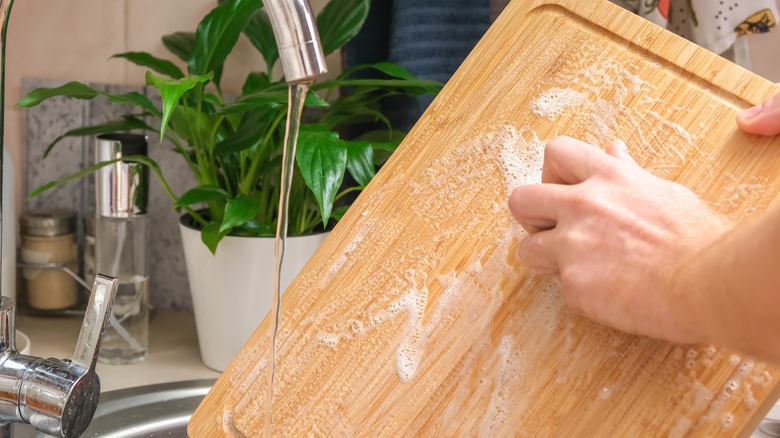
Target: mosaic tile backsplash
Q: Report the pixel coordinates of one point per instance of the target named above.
(168, 284)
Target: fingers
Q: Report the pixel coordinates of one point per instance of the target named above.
(570, 161)
(537, 254)
(535, 206)
(763, 119)
(619, 150)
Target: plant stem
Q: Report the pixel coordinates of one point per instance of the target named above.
(248, 181)
(346, 191)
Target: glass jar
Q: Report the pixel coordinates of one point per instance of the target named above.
(88, 255)
(48, 239)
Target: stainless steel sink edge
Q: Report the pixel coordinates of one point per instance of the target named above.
(160, 410)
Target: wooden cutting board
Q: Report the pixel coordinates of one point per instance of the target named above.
(415, 318)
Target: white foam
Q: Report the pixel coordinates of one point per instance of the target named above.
(746, 367)
(702, 396)
(730, 388)
(325, 339)
(680, 428)
(518, 156)
(553, 102)
(228, 426)
(504, 384)
(749, 400)
(727, 421)
(521, 155)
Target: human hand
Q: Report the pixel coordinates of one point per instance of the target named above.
(763, 119)
(614, 236)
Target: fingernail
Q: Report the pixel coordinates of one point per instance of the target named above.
(751, 113)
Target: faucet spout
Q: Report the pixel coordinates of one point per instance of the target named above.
(295, 30)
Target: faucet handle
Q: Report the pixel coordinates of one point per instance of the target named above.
(60, 397)
(94, 324)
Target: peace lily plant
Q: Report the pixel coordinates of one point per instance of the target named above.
(234, 146)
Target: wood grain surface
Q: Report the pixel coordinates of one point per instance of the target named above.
(415, 318)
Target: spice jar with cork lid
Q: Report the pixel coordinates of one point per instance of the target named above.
(48, 244)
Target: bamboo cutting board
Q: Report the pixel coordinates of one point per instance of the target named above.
(415, 318)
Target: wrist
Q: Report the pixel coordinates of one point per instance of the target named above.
(697, 288)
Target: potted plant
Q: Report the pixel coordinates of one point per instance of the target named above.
(233, 145)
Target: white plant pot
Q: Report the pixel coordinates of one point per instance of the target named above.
(232, 291)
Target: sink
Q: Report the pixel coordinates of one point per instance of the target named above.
(161, 410)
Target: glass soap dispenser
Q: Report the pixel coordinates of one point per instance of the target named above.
(122, 244)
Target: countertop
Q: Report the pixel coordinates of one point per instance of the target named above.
(173, 349)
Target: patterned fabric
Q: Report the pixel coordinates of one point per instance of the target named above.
(712, 24)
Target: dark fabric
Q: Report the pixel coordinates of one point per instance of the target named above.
(373, 41)
(496, 7)
(430, 38)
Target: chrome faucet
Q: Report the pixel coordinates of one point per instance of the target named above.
(57, 397)
(296, 36)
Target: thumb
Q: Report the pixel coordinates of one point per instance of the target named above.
(763, 119)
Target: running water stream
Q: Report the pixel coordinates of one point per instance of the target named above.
(296, 98)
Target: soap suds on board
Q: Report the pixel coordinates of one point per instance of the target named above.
(518, 156)
(597, 97)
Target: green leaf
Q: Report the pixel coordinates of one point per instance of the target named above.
(217, 33)
(322, 160)
(71, 89)
(80, 174)
(382, 138)
(201, 194)
(127, 123)
(171, 91)
(360, 161)
(384, 142)
(389, 68)
(211, 236)
(78, 90)
(261, 35)
(253, 127)
(240, 210)
(134, 98)
(211, 99)
(255, 81)
(162, 66)
(339, 212)
(151, 164)
(346, 112)
(255, 228)
(180, 44)
(413, 87)
(196, 127)
(393, 70)
(274, 95)
(340, 21)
